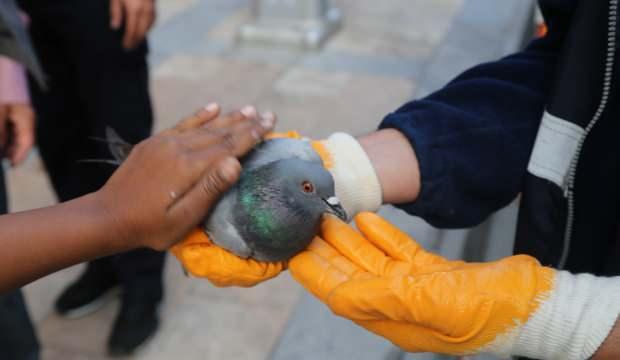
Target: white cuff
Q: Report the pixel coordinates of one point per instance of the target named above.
(357, 184)
(573, 322)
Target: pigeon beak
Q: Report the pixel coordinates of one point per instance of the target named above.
(334, 207)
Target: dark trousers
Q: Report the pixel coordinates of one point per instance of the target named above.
(93, 83)
(18, 340)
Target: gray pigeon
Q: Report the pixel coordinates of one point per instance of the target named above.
(275, 209)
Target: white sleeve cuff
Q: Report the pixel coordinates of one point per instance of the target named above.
(575, 320)
(357, 184)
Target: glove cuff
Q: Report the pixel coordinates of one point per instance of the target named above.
(356, 182)
(573, 322)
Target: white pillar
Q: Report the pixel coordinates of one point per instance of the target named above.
(303, 24)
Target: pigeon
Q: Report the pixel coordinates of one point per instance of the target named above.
(275, 209)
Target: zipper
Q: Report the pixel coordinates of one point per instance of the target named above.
(570, 181)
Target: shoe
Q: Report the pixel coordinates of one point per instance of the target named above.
(136, 323)
(89, 293)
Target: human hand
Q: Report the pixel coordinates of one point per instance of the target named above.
(385, 282)
(168, 183)
(356, 182)
(139, 16)
(17, 122)
(200, 257)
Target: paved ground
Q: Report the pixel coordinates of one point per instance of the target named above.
(386, 52)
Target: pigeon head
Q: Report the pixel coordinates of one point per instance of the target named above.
(281, 205)
(309, 186)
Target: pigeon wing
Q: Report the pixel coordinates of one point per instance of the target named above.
(221, 227)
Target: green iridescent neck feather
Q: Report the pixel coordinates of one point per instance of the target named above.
(265, 215)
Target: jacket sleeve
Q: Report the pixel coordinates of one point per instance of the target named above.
(13, 85)
(473, 137)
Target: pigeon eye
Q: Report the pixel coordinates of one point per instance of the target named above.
(307, 187)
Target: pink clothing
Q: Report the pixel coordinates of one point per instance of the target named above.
(13, 85)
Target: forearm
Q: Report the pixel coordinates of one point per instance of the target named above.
(472, 138)
(395, 163)
(39, 242)
(611, 347)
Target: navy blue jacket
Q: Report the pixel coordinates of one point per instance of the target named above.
(542, 123)
(473, 137)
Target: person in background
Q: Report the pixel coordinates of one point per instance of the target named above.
(18, 339)
(17, 120)
(93, 54)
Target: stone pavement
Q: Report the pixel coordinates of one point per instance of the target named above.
(386, 52)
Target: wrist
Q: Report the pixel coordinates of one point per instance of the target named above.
(573, 321)
(396, 164)
(120, 236)
(356, 181)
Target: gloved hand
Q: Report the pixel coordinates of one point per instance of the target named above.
(355, 179)
(202, 258)
(384, 281)
(351, 169)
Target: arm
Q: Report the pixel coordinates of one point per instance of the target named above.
(395, 163)
(472, 139)
(457, 155)
(160, 193)
(472, 146)
(42, 241)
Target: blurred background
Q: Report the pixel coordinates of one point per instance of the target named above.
(339, 68)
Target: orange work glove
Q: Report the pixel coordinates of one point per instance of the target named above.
(202, 258)
(385, 282)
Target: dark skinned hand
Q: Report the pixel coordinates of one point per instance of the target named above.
(170, 181)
